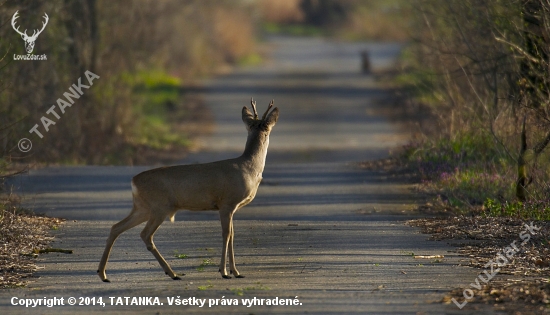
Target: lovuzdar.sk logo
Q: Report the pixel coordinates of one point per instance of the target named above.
(29, 40)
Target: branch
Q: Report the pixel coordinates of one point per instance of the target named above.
(541, 145)
(523, 52)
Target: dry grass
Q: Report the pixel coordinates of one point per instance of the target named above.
(235, 37)
(377, 20)
(521, 286)
(281, 11)
(22, 236)
(187, 40)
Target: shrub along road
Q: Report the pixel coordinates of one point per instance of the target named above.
(320, 230)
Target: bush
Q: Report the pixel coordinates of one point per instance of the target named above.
(476, 66)
(140, 51)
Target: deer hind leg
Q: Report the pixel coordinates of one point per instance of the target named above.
(147, 237)
(136, 217)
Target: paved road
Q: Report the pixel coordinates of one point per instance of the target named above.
(320, 229)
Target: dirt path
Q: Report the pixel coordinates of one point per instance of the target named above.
(306, 234)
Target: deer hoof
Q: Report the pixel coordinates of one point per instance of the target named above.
(237, 275)
(226, 276)
(106, 280)
(176, 278)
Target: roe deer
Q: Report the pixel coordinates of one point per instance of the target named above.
(365, 62)
(224, 185)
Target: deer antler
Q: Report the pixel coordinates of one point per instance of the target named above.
(43, 26)
(15, 17)
(268, 108)
(35, 33)
(254, 108)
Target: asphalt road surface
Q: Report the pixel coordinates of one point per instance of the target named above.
(321, 234)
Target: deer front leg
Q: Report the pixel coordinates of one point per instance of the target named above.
(226, 218)
(232, 266)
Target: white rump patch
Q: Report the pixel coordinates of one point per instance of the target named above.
(134, 189)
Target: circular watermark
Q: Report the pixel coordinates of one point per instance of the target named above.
(24, 145)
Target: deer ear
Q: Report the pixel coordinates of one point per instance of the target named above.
(248, 118)
(271, 119)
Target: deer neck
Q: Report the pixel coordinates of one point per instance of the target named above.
(255, 152)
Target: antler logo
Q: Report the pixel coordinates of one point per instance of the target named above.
(29, 40)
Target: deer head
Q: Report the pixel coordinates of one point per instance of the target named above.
(253, 122)
(258, 132)
(29, 40)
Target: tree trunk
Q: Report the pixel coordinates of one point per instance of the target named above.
(522, 182)
(532, 84)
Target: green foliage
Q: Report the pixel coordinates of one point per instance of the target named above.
(465, 170)
(241, 291)
(464, 148)
(157, 105)
(205, 287)
(252, 59)
(237, 291)
(469, 174)
(180, 256)
(467, 71)
(293, 29)
(531, 210)
(135, 107)
(205, 262)
(420, 84)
